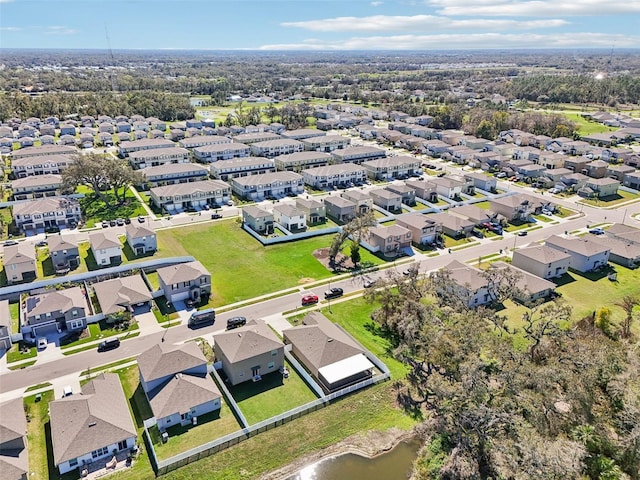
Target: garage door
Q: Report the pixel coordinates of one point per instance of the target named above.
(176, 297)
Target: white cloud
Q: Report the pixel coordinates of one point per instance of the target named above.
(536, 8)
(386, 23)
(376, 4)
(466, 41)
(10, 29)
(59, 30)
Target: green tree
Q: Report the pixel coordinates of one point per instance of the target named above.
(355, 253)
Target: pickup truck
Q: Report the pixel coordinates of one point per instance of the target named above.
(333, 293)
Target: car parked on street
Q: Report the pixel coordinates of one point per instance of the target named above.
(596, 231)
(108, 344)
(335, 292)
(309, 300)
(522, 233)
(235, 322)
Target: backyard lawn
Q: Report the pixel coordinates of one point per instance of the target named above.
(272, 395)
(241, 267)
(37, 426)
(621, 197)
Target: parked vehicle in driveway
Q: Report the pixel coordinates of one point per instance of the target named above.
(41, 343)
(501, 175)
(335, 292)
(309, 300)
(596, 231)
(67, 391)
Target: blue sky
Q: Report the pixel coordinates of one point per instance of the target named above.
(320, 24)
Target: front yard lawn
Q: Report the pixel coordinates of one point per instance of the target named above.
(272, 395)
(241, 267)
(95, 331)
(620, 197)
(95, 210)
(20, 351)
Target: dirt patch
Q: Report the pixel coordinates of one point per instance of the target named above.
(342, 263)
(368, 444)
(304, 280)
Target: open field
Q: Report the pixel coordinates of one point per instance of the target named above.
(241, 267)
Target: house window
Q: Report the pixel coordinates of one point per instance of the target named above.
(73, 462)
(73, 324)
(99, 452)
(270, 365)
(274, 353)
(122, 445)
(184, 416)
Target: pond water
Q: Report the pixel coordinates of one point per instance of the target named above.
(394, 465)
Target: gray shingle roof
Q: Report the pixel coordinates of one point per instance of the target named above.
(163, 360)
(119, 293)
(13, 423)
(104, 239)
(181, 393)
(59, 242)
(21, 253)
(182, 272)
(97, 418)
(255, 338)
(57, 300)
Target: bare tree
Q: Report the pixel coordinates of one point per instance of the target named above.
(628, 304)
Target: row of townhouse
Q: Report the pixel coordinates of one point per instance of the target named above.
(197, 194)
(158, 156)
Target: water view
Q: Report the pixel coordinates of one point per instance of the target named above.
(393, 465)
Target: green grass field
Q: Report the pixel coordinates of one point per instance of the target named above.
(37, 426)
(587, 127)
(241, 267)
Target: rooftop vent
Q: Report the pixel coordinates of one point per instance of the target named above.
(92, 424)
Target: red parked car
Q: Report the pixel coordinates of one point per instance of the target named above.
(309, 299)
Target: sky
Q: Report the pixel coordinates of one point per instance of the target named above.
(320, 24)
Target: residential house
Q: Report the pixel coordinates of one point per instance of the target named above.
(42, 151)
(92, 426)
(221, 151)
(341, 174)
(159, 156)
(128, 147)
(40, 165)
(632, 180)
(302, 133)
(5, 330)
(599, 187)
(181, 397)
(64, 253)
(424, 229)
(185, 280)
(389, 240)
(340, 209)
(468, 284)
(574, 181)
(618, 172)
(621, 251)
(475, 214)
(315, 211)
(435, 148)
(401, 166)
(529, 288)
(123, 294)
(326, 143)
(202, 140)
(358, 154)
(586, 255)
(106, 247)
(241, 167)
(249, 352)
(172, 173)
(46, 212)
(258, 219)
(577, 164)
(516, 207)
(532, 171)
(141, 239)
(14, 454)
(424, 190)
(453, 225)
(556, 174)
(406, 192)
(268, 185)
(277, 147)
(38, 186)
(19, 263)
(56, 310)
(290, 217)
(363, 201)
(596, 169)
(191, 195)
(329, 353)
(251, 138)
(542, 261)
(295, 162)
(447, 187)
(386, 199)
(482, 181)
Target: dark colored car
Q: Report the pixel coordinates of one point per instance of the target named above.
(235, 322)
(9, 243)
(309, 299)
(141, 219)
(522, 233)
(108, 344)
(112, 223)
(596, 231)
(127, 221)
(215, 216)
(120, 222)
(335, 292)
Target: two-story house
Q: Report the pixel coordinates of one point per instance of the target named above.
(64, 253)
(389, 240)
(586, 255)
(258, 219)
(57, 310)
(141, 239)
(334, 175)
(249, 352)
(20, 263)
(386, 199)
(46, 212)
(295, 162)
(543, 261)
(181, 196)
(402, 166)
(221, 151)
(36, 186)
(268, 185)
(340, 209)
(314, 210)
(185, 281)
(106, 247)
(424, 230)
(171, 173)
(277, 147)
(290, 217)
(241, 167)
(14, 454)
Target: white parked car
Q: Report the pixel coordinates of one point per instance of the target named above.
(41, 343)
